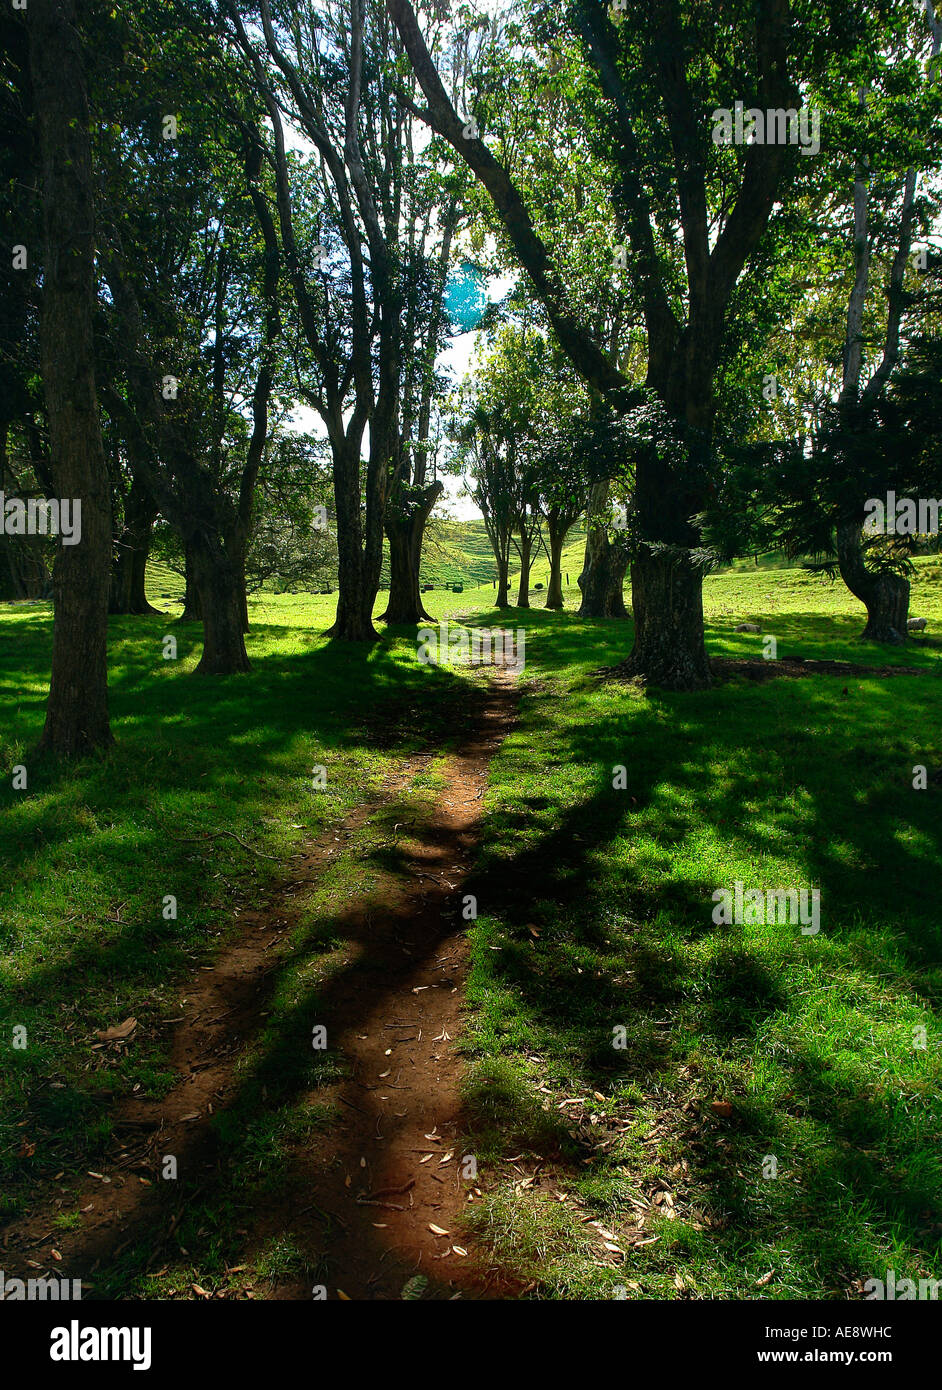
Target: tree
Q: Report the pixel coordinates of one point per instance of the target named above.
(77, 713)
(192, 265)
(649, 98)
(327, 67)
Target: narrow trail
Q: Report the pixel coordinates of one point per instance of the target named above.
(362, 1197)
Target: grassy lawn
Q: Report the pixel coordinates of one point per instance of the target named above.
(595, 915)
(601, 919)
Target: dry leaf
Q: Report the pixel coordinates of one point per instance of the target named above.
(119, 1031)
(437, 1230)
(722, 1108)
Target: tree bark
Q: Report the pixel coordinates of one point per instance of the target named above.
(604, 567)
(218, 576)
(525, 551)
(405, 529)
(77, 712)
(667, 601)
(603, 577)
(129, 567)
(357, 585)
(554, 590)
(885, 595)
(503, 582)
(192, 610)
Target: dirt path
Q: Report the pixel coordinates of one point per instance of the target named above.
(364, 1196)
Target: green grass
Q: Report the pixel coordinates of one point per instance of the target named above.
(600, 918)
(595, 915)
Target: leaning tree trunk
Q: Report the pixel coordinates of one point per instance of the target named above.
(554, 590)
(603, 571)
(885, 595)
(405, 531)
(218, 578)
(77, 711)
(667, 600)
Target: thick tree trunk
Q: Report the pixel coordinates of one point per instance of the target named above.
(885, 595)
(192, 609)
(603, 577)
(603, 570)
(554, 590)
(218, 577)
(357, 583)
(667, 600)
(405, 530)
(77, 712)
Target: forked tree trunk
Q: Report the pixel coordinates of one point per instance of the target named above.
(885, 595)
(667, 601)
(405, 530)
(77, 711)
(218, 578)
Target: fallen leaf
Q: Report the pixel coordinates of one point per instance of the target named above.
(723, 1108)
(119, 1031)
(345, 1296)
(437, 1230)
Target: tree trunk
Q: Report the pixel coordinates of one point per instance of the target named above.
(603, 570)
(523, 590)
(554, 590)
(218, 576)
(192, 609)
(243, 595)
(503, 582)
(129, 567)
(667, 600)
(405, 530)
(356, 584)
(77, 712)
(885, 595)
(603, 577)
